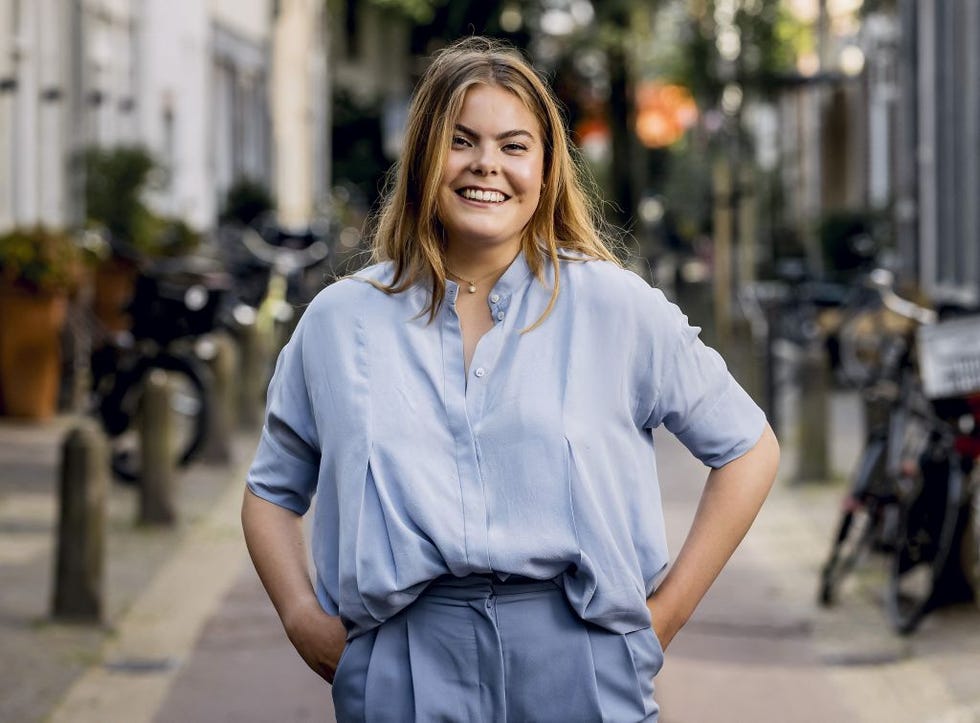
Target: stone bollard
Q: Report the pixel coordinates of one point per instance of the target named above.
(740, 355)
(221, 398)
(157, 475)
(251, 390)
(814, 379)
(80, 547)
(769, 363)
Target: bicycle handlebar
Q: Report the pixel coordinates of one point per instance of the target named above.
(283, 260)
(883, 282)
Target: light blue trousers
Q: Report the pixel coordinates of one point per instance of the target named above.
(476, 649)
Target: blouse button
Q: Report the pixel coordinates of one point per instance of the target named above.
(480, 371)
(494, 298)
(500, 316)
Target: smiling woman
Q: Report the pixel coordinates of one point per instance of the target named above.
(473, 413)
(491, 182)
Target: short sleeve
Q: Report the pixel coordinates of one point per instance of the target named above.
(696, 397)
(286, 464)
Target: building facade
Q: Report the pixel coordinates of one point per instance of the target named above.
(938, 214)
(239, 72)
(37, 95)
(190, 80)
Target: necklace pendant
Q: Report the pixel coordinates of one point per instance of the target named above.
(472, 288)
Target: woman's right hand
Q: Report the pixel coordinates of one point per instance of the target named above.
(274, 536)
(319, 638)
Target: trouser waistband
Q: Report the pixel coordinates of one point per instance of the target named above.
(481, 585)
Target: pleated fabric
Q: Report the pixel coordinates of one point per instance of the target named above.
(476, 649)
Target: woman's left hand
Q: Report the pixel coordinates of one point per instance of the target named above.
(729, 503)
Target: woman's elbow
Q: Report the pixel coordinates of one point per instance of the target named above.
(766, 454)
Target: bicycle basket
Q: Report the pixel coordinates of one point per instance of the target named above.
(949, 357)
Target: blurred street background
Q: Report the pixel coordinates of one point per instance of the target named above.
(178, 178)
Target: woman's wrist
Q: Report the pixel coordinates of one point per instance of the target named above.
(666, 618)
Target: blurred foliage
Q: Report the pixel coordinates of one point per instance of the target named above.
(769, 41)
(594, 68)
(869, 7)
(40, 260)
(706, 46)
(164, 236)
(246, 200)
(418, 11)
(687, 186)
(358, 147)
(115, 181)
(459, 18)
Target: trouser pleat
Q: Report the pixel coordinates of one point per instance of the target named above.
(475, 651)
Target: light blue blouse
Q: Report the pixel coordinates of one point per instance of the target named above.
(538, 461)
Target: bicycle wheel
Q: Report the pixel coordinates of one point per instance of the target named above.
(860, 523)
(929, 502)
(189, 415)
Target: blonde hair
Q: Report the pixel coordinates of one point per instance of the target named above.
(408, 231)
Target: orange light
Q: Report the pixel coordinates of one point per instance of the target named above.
(663, 113)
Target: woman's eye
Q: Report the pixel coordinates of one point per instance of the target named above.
(515, 148)
(459, 141)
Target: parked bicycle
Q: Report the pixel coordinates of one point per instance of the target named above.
(911, 491)
(174, 308)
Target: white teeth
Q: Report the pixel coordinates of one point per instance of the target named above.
(486, 196)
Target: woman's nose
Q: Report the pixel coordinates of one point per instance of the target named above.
(484, 162)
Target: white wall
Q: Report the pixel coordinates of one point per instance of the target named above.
(143, 71)
(251, 18)
(26, 140)
(52, 118)
(7, 32)
(110, 58)
(174, 105)
(239, 95)
(33, 112)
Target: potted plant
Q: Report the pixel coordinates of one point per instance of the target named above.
(245, 201)
(39, 268)
(115, 182)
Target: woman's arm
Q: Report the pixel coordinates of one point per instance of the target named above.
(732, 497)
(274, 536)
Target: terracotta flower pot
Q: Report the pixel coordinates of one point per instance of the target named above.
(115, 281)
(30, 352)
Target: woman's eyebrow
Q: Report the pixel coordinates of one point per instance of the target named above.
(500, 136)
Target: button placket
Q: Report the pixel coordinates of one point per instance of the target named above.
(498, 307)
(472, 502)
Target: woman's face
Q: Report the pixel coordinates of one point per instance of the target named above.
(491, 182)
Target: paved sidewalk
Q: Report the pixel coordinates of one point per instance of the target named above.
(193, 637)
(42, 659)
(758, 649)
(244, 670)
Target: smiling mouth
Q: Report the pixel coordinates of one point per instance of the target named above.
(476, 194)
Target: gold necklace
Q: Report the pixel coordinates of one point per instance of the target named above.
(471, 285)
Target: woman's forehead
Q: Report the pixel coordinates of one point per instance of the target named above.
(486, 107)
